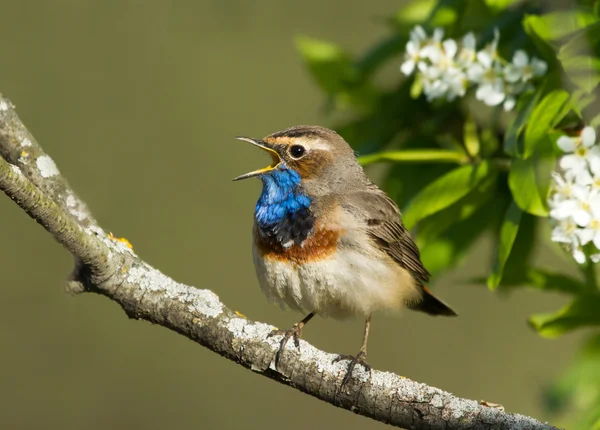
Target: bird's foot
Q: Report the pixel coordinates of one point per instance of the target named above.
(360, 358)
(295, 333)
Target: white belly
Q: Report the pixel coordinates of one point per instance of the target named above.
(347, 283)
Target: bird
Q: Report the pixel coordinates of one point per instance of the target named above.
(327, 241)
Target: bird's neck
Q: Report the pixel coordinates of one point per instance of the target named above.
(283, 210)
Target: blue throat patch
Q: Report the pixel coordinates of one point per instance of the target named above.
(282, 212)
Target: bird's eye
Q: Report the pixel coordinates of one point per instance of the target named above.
(297, 151)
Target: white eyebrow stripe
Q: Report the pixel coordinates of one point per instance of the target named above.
(318, 145)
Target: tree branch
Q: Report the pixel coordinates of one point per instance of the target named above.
(108, 266)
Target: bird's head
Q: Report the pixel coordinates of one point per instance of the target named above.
(320, 158)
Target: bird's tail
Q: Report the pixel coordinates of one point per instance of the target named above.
(432, 305)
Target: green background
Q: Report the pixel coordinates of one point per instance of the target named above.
(138, 103)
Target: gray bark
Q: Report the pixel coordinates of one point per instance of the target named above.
(108, 266)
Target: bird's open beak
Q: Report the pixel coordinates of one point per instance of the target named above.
(266, 147)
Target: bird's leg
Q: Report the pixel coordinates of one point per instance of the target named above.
(295, 332)
(360, 358)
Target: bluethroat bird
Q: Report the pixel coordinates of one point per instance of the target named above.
(329, 242)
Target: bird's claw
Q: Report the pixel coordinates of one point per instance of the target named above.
(295, 332)
(360, 358)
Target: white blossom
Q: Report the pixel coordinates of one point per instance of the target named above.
(441, 76)
(575, 196)
(521, 69)
(563, 188)
(413, 49)
(591, 233)
(592, 178)
(579, 152)
(565, 232)
(448, 68)
(491, 92)
(468, 52)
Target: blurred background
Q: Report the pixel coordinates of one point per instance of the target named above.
(138, 103)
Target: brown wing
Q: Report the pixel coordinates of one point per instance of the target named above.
(383, 221)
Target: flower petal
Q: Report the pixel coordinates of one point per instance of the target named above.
(581, 193)
(407, 67)
(485, 59)
(582, 217)
(578, 255)
(539, 66)
(491, 94)
(588, 136)
(596, 241)
(572, 162)
(475, 72)
(469, 41)
(494, 44)
(412, 48)
(583, 178)
(450, 48)
(593, 159)
(560, 235)
(509, 103)
(438, 34)
(566, 144)
(418, 34)
(512, 73)
(433, 52)
(520, 58)
(586, 235)
(595, 206)
(564, 210)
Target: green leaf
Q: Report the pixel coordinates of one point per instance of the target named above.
(542, 36)
(335, 72)
(498, 5)
(438, 255)
(529, 180)
(331, 67)
(445, 191)
(525, 107)
(508, 233)
(580, 99)
(521, 181)
(471, 139)
(519, 260)
(579, 58)
(556, 25)
(450, 248)
(543, 118)
(433, 226)
(584, 43)
(542, 279)
(404, 181)
(489, 142)
(415, 12)
(415, 156)
(595, 121)
(417, 87)
(433, 13)
(380, 53)
(584, 311)
(583, 71)
(549, 281)
(577, 389)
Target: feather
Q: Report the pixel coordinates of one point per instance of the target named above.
(384, 225)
